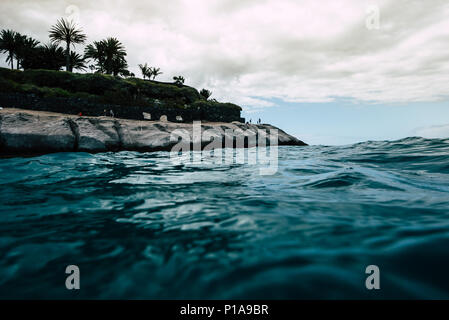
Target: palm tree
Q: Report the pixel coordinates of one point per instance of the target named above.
(155, 72)
(96, 52)
(47, 56)
(53, 57)
(26, 49)
(205, 93)
(9, 44)
(145, 70)
(77, 61)
(109, 55)
(66, 31)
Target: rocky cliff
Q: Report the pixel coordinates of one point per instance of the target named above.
(24, 132)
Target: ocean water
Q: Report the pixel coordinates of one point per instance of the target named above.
(140, 226)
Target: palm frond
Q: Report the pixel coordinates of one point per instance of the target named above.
(67, 31)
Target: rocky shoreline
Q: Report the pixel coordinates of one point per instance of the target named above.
(26, 132)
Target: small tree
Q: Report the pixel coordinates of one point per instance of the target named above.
(155, 72)
(179, 80)
(10, 42)
(145, 70)
(205, 93)
(128, 74)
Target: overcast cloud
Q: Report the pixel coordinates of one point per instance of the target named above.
(433, 131)
(250, 51)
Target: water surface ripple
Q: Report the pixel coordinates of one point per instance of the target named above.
(141, 226)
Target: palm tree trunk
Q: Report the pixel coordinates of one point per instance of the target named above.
(67, 57)
(12, 61)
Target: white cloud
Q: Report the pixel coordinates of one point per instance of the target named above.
(433, 132)
(249, 51)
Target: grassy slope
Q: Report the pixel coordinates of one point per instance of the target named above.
(102, 88)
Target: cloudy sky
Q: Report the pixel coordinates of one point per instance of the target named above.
(330, 72)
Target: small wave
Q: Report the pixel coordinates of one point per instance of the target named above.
(225, 231)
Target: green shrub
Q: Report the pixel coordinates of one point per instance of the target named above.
(29, 88)
(47, 78)
(7, 85)
(104, 88)
(54, 92)
(14, 75)
(205, 105)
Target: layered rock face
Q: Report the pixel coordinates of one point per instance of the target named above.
(24, 132)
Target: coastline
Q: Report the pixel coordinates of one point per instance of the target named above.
(30, 133)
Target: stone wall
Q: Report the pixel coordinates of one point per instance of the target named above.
(205, 111)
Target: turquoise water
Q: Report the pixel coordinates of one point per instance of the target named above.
(140, 226)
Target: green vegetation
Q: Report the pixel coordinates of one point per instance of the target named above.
(109, 80)
(148, 72)
(8, 45)
(109, 55)
(155, 72)
(77, 61)
(66, 31)
(205, 93)
(15, 45)
(29, 54)
(205, 105)
(102, 88)
(179, 80)
(145, 70)
(26, 49)
(48, 56)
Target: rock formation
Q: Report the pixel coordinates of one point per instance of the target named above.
(24, 132)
